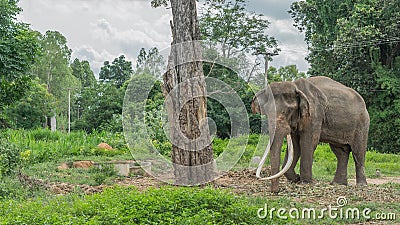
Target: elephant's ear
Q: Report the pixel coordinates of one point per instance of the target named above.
(304, 104)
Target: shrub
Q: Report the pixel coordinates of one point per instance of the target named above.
(9, 157)
(121, 205)
(101, 174)
(45, 135)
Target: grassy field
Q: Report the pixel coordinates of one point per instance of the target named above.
(42, 151)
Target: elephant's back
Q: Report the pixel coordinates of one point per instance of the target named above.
(342, 101)
(335, 90)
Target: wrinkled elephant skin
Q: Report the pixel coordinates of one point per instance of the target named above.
(314, 110)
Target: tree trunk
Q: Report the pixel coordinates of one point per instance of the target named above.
(184, 88)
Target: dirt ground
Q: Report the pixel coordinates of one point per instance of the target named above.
(245, 182)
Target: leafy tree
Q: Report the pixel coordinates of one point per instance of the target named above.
(286, 73)
(53, 69)
(216, 110)
(18, 49)
(82, 71)
(100, 105)
(150, 62)
(30, 111)
(53, 66)
(119, 71)
(229, 23)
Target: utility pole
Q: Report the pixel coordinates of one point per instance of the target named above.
(69, 110)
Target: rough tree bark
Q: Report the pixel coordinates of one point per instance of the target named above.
(184, 88)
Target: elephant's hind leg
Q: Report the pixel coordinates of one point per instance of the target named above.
(358, 150)
(342, 155)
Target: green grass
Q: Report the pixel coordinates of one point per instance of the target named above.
(128, 206)
(324, 165)
(166, 205)
(43, 151)
(92, 176)
(42, 145)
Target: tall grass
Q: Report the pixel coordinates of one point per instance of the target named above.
(42, 145)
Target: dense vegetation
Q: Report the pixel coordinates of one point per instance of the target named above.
(355, 42)
(38, 153)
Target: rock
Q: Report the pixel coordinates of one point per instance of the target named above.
(83, 164)
(105, 146)
(63, 166)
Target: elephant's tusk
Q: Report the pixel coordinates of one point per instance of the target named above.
(260, 165)
(288, 163)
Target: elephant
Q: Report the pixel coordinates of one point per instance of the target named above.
(309, 111)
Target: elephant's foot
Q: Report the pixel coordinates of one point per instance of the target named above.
(306, 181)
(293, 178)
(361, 180)
(362, 183)
(275, 186)
(339, 182)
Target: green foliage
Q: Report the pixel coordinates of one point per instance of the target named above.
(150, 62)
(82, 71)
(102, 173)
(52, 68)
(116, 73)
(229, 23)
(18, 49)
(249, 142)
(30, 111)
(9, 157)
(93, 176)
(11, 188)
(125, 205)
(100, 108)
(216, 110)
(228, 26)
(325, 164)
(42, 145)
(385, 112)
(286, 73)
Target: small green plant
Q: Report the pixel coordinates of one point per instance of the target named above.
(9, 157)
(102, 172)
(45, 135)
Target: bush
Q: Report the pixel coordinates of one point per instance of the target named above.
(121, 205)
(101, 174)
(45, 135)
(9, 157)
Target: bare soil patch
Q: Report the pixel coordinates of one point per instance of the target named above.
(245, 182)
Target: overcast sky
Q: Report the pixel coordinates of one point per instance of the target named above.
(104, 29)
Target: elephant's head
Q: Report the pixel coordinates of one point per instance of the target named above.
(285, 106)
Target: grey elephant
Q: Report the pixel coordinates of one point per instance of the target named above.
(310, 111)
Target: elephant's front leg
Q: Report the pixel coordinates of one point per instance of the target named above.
(291, 174)
(308, 144)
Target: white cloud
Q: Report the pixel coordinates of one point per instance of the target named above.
(95, 58)
(103, 30)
